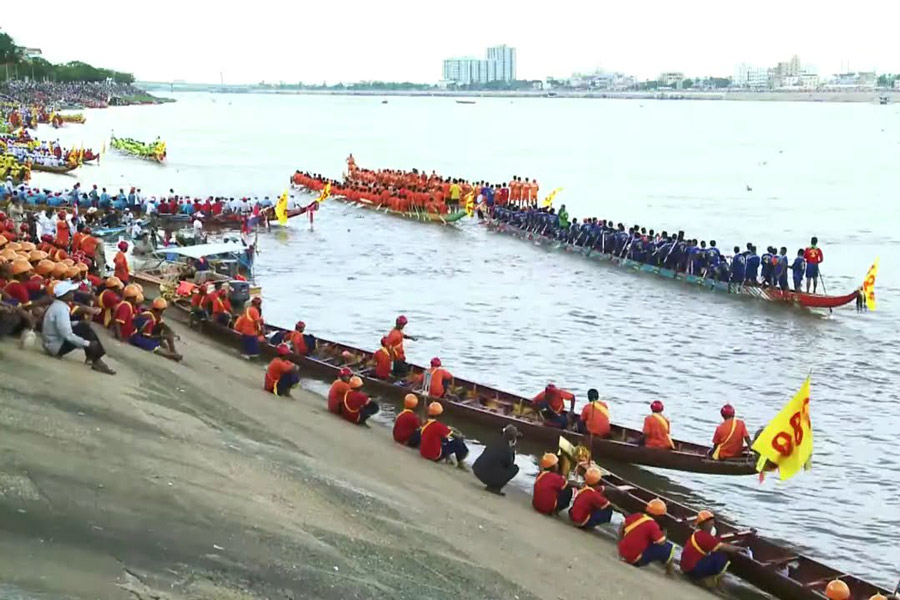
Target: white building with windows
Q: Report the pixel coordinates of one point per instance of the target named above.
(749, 76)
(500, 65)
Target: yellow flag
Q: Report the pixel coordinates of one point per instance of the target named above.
(548, 201)
(869, 285)
(470, 204)
(281, 209)
(787, 441)
(326, 191)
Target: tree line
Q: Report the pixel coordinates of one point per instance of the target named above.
(14, 64)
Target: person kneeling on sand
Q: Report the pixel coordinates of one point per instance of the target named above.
(357, 407)
(497, 464)
(281, 374)
(152, 334)
(60, 337)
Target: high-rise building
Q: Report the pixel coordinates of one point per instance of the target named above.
(500, 65)
(505, 59)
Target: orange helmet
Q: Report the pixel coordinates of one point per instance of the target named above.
(20, 265)
(59, 270)
(130, 291)
(435, 409)
(14, 246)
(549, 461)
(72, 272)
(703, 516)
(139, 298)
(139, 287)
(44, 268)
(592, 476)
(36, 255)
(356, 382)
(68, 262)
(160, 304)
(410, 401)
(877, 597)
(837, 590)
(656, 507)
(82, 267)
(114, 282)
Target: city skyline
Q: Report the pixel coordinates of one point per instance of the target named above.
(319, 43)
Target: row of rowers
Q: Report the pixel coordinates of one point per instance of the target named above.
(730, 439)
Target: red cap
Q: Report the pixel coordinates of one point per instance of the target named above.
(283, 350)
(435, 362)
(345, 372)
(727, 411)
(300, 325)
(657, 406)
(401, 320)
(123, 246)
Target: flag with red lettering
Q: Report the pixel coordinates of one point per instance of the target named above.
(787, 441)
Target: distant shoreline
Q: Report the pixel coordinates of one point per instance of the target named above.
(871, 96)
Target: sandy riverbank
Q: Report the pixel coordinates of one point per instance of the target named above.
(186, 480)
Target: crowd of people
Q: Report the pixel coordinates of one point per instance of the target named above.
(65, 94)
(49, 154)
(675, 251)
(55, 284)
(415, 191)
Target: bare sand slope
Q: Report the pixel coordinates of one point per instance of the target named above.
(188, 481)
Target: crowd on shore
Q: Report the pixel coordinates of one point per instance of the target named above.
(65, 94)
(672, 251)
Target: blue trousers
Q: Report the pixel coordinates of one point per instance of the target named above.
(710, 565)
(250, 344)
(552, 419)
(286, 382)
(661, 553)
(456, 447)
(598, 517)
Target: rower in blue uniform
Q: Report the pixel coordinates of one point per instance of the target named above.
(798, 268)
(767, 267)
(752, 275)
(781, 271)
(738, 269)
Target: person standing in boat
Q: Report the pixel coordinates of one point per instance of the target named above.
(550, 403)
(731, 435)
(738, 269)
(657, 428)
(395, 343)
(798, 267)
(814, 257)
(496, 466)
(705, 558)
(752, 265)
(642, 541)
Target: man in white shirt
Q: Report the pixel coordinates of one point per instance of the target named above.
(61, 337)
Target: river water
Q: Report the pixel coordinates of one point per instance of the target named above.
(512, 315)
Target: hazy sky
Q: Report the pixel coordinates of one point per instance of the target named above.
(405, 40)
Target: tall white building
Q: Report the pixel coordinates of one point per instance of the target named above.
(504, 58)
(500, 65)
(748, 76)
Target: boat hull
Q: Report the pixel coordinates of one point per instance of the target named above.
(422, 216)
(51, 169)
(752, 291)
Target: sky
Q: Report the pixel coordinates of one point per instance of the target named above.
(402, 40)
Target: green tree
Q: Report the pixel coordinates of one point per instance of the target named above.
(687, 84)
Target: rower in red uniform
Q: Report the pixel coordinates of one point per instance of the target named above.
(395, 343)
(704, 558)
(357, 407)
(62, 231)
(437, 378)
(731, 436)
(551, 490)
(108, 301)
(298, 340)
(657, 428)
(594, 416)
(589, 506)
(339, 387)
(406, 425)
(250, 326)
(813, 256)
(281, 374)
(437, 441)
(642, 541)
(382, 359)
(221, 307)
(550, 403)
(125, 311)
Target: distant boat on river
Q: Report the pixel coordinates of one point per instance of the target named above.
(465, 102)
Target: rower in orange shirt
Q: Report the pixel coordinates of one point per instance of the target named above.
(550, 403)
(62, 231)
(339, 387)
(594, 416)
(221, 307)
(657, 428)
(382, 358)
(121, 263)
(281, 374)
(297, 339)
(437, 378)
(731, 436)
(526, 192)
(395, 344)
(250, 326)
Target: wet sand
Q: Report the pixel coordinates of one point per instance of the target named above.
(188, 481)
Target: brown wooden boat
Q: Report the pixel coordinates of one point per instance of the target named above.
(772, 567)
(489, 406)
(61, 169)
